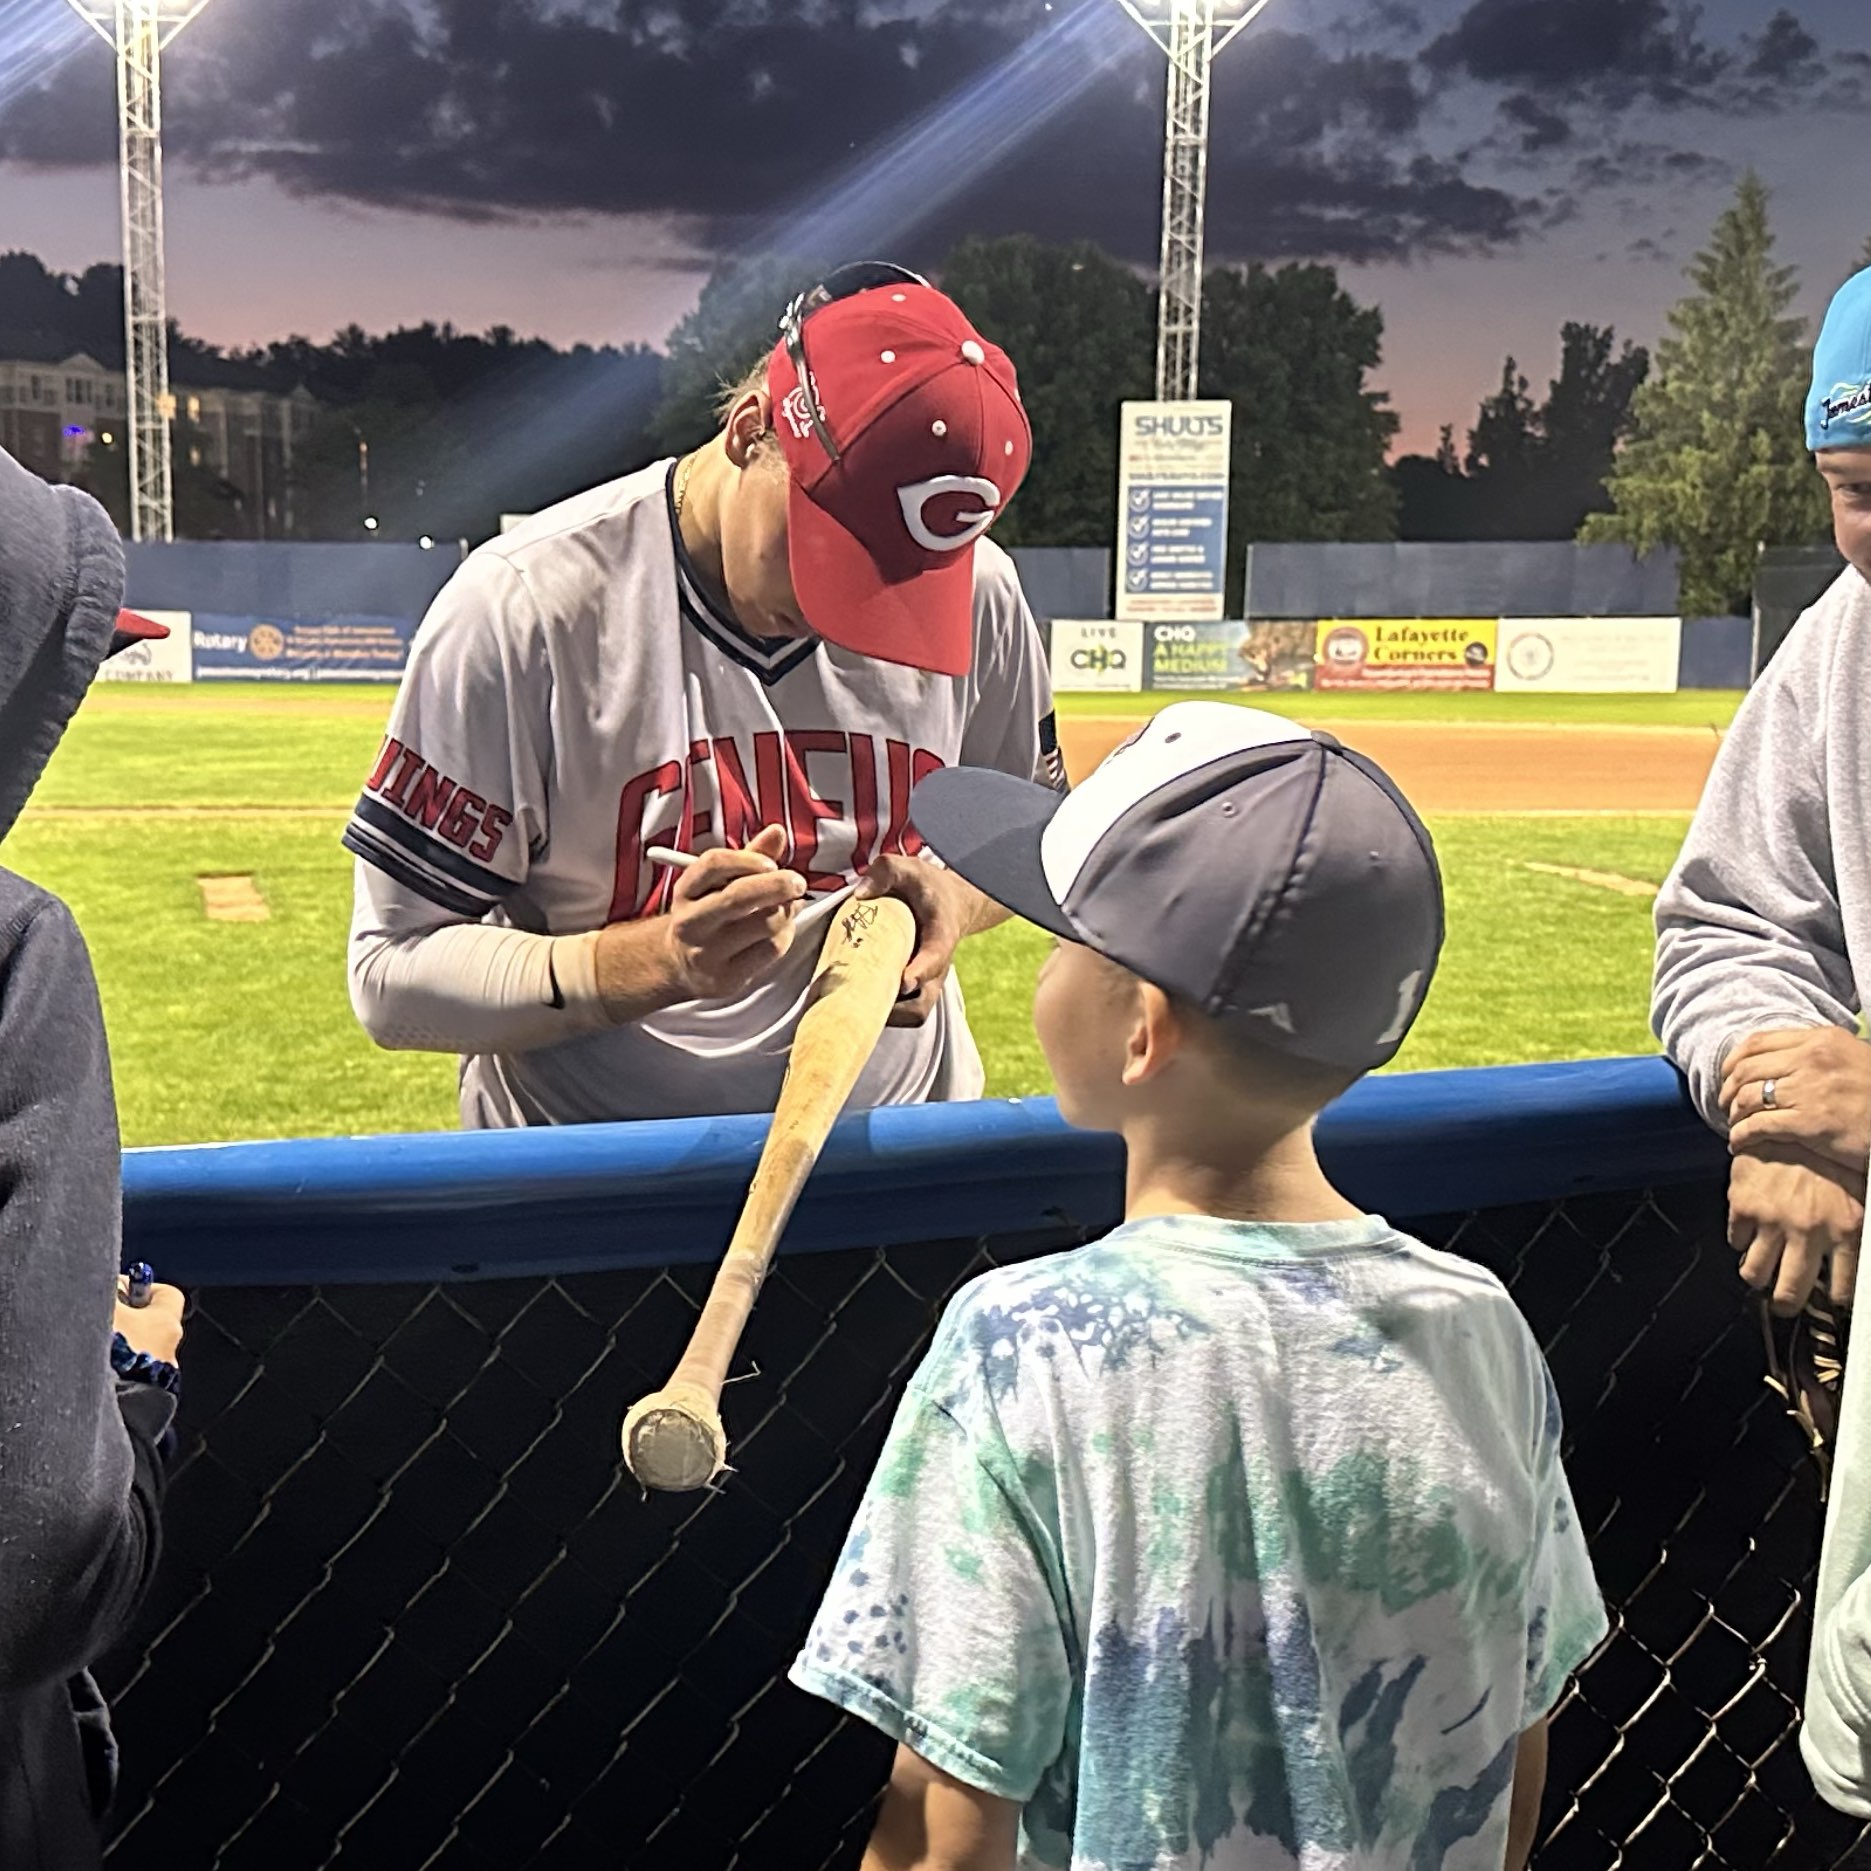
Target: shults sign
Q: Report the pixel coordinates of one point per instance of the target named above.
(1172, 511)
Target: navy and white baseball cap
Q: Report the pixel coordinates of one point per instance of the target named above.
(1251, 866)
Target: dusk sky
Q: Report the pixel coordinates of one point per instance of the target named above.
(1481, 169)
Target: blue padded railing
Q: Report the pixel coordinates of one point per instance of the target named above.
(544, 1202)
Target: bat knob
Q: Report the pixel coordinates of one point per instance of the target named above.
(673, 1440)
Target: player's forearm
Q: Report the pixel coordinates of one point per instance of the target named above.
(475, 988)
(635, 971)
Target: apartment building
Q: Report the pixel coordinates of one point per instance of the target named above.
(55, 402)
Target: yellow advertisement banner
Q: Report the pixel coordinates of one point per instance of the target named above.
(1404, 652)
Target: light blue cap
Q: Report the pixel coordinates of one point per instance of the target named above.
(1838, 407)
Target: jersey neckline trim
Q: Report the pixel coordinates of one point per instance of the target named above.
(769, 658)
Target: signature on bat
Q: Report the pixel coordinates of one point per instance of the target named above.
(860, 918)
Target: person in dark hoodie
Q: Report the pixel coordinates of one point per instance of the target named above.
(84, 1415)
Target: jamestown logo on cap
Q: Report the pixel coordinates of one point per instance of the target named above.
(1849, 403)
(1838, 406)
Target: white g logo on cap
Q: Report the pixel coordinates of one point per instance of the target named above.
(915, 500)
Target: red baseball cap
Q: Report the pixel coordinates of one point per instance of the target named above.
(132, 628)
(932, 443)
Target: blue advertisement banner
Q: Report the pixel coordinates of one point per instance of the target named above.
(1175, 540)
(1173, 463)
(301, 649)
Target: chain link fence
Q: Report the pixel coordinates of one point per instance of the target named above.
(413, 1615)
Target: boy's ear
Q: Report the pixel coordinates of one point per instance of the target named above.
(1159, 1031)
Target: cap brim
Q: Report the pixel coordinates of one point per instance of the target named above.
(926, 621)
(987, 827)
(130, 628)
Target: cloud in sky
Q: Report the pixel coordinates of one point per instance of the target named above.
(1394, 132)
(1631, 47)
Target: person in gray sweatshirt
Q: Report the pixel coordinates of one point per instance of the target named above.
(84, 1415)
(1763, 956)
(1764, 924)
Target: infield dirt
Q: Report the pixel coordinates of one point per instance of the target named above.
(1454, 767)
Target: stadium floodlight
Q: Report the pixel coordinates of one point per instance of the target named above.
(1190, 34)
(138, 32)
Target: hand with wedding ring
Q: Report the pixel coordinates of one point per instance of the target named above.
(1809, 1086)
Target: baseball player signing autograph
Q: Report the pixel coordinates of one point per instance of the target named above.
(751, 654)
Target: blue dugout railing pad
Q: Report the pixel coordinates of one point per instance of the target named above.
(438, 1206)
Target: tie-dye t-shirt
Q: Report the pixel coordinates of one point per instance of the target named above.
(1222, 1545)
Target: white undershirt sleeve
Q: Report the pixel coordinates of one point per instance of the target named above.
(422, 981)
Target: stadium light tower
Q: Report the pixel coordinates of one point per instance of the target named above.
(138, 32)
(1190, 33)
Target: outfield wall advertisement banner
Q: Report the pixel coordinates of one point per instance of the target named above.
(1404, 652)
(159, 659)
(1099, 655)
(1557, 655)
(1172, 506)
(1197, 658)
(301, 649)
(1590, 655)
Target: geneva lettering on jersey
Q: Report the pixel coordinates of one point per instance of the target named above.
(441, 806)
(842, 796)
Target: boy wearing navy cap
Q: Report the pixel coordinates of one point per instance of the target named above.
(1239, 1538)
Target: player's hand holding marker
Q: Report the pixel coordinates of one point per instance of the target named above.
(731, 917)
(730, 922)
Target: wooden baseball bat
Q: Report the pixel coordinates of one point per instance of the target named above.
(673, 1439)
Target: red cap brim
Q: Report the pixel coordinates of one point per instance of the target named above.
(926, 621)
(133, 628)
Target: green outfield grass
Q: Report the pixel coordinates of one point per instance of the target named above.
(227, 1030)
(223, 1030)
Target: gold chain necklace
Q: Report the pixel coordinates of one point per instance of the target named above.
(682, 482)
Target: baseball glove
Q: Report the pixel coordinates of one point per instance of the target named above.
(1806, 1365)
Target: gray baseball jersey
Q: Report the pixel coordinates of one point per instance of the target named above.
(572, 698)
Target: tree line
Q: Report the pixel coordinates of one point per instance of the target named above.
(430, 430)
